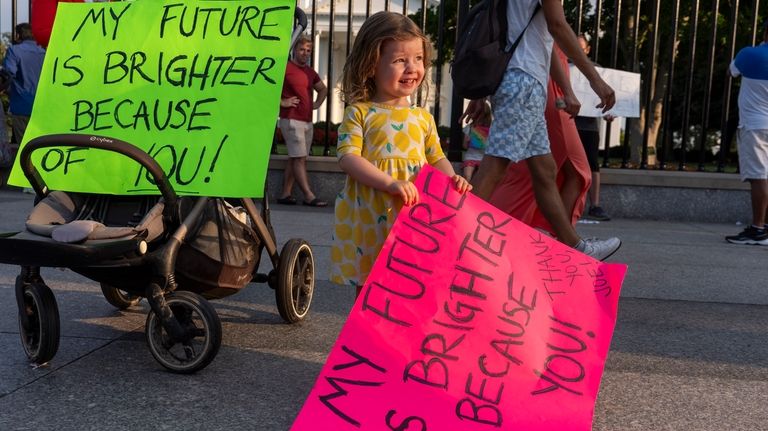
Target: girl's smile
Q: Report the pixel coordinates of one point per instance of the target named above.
(399, 71)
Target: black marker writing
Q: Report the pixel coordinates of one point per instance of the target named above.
(247, 20)
(341, 384)
(562, 369)
(99, 17)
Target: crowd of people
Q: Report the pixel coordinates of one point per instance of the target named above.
(527, 151)
(387, 65)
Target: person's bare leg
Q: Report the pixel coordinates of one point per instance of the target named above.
(594, 190)
(468, 172)
(288, 178)
(300, 174)
(548, 199)
(571, 188)
(490, 172)
(759, 194)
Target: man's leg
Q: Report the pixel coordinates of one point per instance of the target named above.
(18, 126)
(488, 175)
(759, 195)
(288, 179)
(571, 187)
(594, 190)
(753, 164)
(300, 174)
(543, 173)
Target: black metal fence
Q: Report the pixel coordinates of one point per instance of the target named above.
(681, 48)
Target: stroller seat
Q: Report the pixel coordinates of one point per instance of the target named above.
(76, 229)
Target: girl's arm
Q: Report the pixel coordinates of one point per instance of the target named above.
(363, 171)
(461, 183)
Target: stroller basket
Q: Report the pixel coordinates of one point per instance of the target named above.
(221, 252)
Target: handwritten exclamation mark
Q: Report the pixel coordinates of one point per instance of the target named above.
(215, 158)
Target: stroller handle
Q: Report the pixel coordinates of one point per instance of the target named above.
(99, 142)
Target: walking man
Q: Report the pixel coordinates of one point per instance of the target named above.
(751, 64)
(519, 130)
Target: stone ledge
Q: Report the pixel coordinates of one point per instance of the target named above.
(314, 163)
(611, 176)
(625, 193)
(654, 178)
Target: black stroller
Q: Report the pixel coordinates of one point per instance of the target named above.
(176, 252)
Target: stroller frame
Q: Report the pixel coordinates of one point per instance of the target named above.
(170, 323)
(183, 329)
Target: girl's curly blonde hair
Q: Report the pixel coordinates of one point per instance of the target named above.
(357, 83)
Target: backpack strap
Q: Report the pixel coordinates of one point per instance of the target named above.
(520, 37)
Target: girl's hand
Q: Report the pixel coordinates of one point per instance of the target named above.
(461, 183)
(405, 190)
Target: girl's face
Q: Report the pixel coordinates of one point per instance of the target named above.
(399, 71)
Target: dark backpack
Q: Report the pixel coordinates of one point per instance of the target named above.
(481, 55)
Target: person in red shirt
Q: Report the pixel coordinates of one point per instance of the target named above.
(296, 106)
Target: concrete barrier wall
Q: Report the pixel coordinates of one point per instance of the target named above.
(625, 193)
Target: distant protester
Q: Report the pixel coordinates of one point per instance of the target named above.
(296, 105)
(751, 64)
(22, 66)
(23, 63)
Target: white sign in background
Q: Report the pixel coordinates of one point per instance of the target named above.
(625, 84)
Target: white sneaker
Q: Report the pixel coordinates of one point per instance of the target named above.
(28, 190)
(600, 249)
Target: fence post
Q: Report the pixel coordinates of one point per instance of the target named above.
(457, 103)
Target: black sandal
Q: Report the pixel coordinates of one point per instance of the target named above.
(288, 200)
(316, 202)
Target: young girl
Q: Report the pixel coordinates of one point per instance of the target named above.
(383, 141)
(475, 139)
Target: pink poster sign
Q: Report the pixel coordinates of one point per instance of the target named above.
(470, 320)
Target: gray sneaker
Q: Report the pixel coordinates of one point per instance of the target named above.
(599, 249)
(597, 213)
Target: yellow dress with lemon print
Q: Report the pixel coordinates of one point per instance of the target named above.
(398, 141)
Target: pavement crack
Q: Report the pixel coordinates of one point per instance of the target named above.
(50, 370)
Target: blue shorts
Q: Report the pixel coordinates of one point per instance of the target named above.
(518, 130)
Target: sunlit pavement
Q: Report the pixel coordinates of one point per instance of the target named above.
(689, 351)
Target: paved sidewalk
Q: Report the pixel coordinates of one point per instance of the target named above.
(690, 350)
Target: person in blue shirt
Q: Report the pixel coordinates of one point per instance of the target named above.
(751, 64)
(23, 63)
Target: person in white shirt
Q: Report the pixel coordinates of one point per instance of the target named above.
(751, 64)
(519, 130)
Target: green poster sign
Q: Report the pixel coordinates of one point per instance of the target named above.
(196, 84)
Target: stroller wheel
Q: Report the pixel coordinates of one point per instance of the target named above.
(296, 280)
(120, 299)
(40, 337)
(199, 320)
